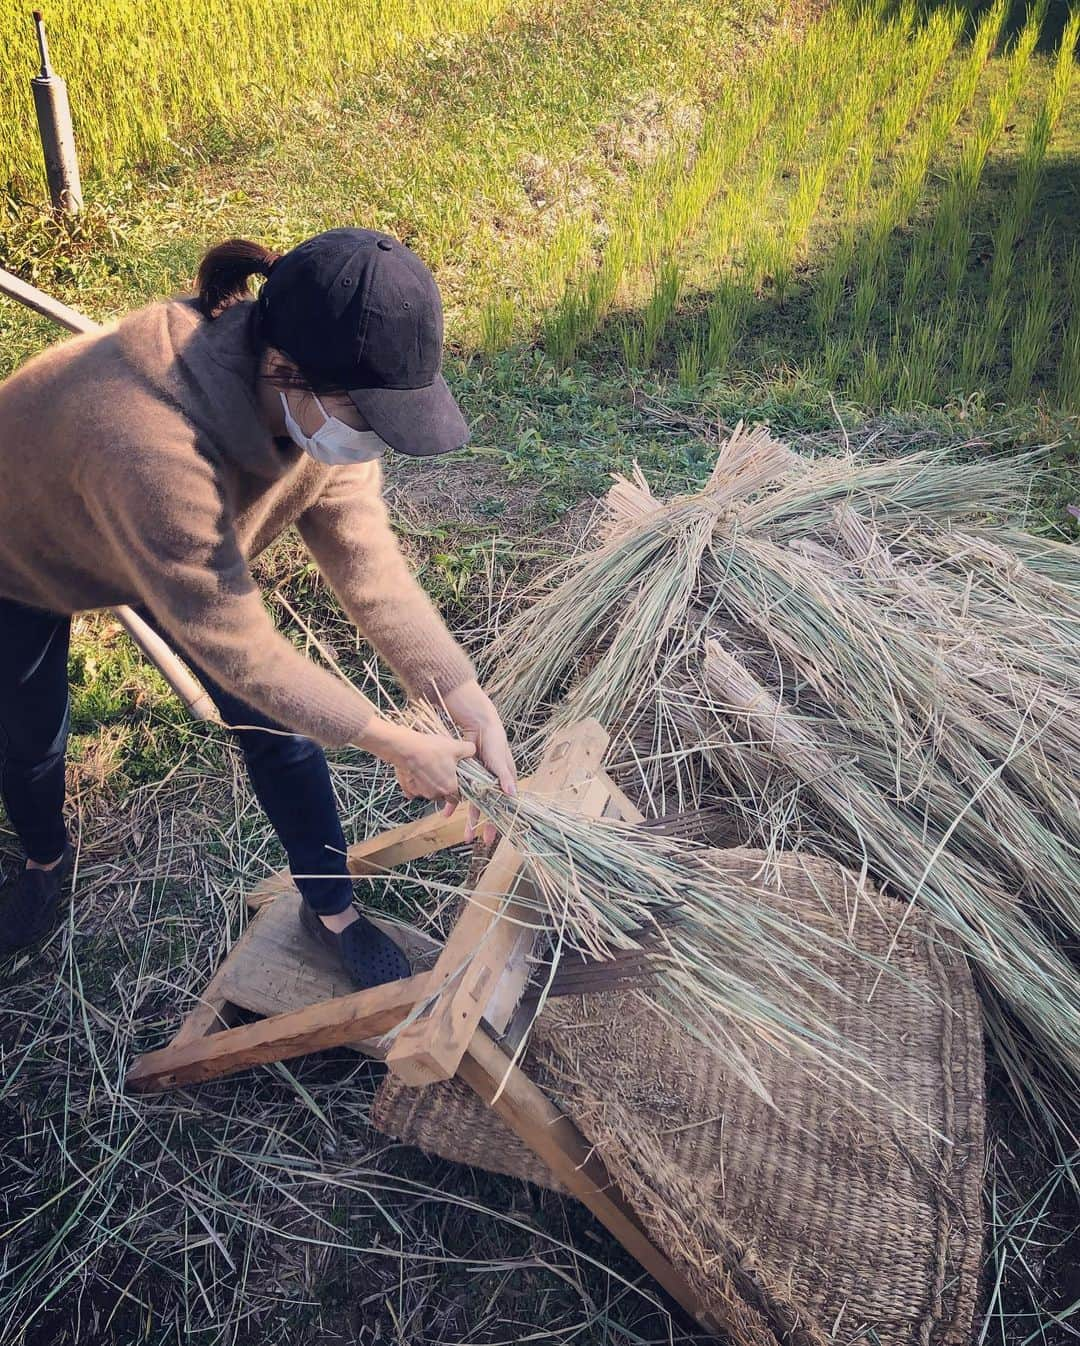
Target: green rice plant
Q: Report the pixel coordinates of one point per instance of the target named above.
(1068, 384)
(829, 286)
(636, 235)
(1047, 118)
(867, 385)
(632, 343)
(805, 201)
(1031, 334)
(917, 273)
(583, 306)
(896, 205)
(690, 362)
(783, 277)
(913, 79)
(141, 81)
(966, 175)
(867, 289)
(981, 327)
(961, 92)
(984, 333)
(946, 252)
(670, 198)
(723, 318)
(497, 324)
(812, 79)
(892, 206)
(857, 182)
(917, 360)
(546, 271)
(660, 307)
(956, 249)
(932, 49)
(726, 223)
(726, 135)
(767, 262)
(835, 354)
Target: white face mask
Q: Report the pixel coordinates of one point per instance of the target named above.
(334, 443)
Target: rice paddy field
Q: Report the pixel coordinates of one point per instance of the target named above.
(858, 222)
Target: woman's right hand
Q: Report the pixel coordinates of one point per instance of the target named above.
(424, 764)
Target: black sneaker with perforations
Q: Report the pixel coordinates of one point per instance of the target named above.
(30, 903)
(367, 955)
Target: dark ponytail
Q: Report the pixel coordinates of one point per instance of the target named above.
(224, 272)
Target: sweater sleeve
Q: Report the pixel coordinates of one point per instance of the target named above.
(349, 535)
(165, 517)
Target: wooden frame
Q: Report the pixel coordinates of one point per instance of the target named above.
(467, 998)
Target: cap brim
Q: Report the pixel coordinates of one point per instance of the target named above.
(417, 421)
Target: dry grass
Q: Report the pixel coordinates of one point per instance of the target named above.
(868, 669)
(260, 1208)
(265, 1208)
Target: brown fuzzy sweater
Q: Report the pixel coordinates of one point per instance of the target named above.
(134, 469)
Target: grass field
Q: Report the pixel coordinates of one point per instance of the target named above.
(854, 221)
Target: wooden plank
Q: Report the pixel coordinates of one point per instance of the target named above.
(625, 808)
(346, 1022)
(489, 928)
(382, 852)
(281, 968)
(431, 1047)
(591, 800)
(216, 1010)
(211, 1015)
(553, 1136)
(386, 850)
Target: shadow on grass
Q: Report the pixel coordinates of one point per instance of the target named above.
(1057, 14)
(778, 333)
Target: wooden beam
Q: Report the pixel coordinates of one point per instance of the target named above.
(345, 1022)
(591, 800)
(625, 807)
(280, 968)
(25, 293)
(554, 1137)
(386, 850)
(490, 928)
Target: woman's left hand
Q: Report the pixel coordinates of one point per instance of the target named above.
(474, 714)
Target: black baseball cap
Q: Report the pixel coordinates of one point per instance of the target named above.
(358, 309)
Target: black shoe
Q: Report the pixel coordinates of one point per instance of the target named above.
(30, 903)
(367, 955)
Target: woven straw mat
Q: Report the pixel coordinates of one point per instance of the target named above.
(837, 1213)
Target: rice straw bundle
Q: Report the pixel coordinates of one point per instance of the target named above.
(725, 960)
(868, 668)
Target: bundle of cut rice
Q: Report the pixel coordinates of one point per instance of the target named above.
(862, 659)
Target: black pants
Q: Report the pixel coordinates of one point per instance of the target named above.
(288, 773)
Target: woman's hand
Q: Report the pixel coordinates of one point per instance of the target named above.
(425, 764)
(475, 715)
